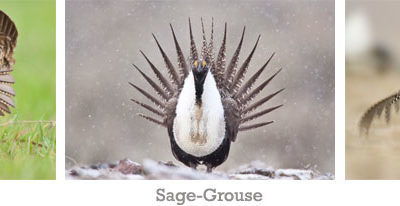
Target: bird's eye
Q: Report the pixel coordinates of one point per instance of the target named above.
(195, 63)
(204, 63)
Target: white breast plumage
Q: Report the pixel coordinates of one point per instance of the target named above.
(199, 130)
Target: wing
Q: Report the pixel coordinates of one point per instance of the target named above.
(231, 112)
(376, 110)
(8, 42)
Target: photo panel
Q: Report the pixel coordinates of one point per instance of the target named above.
(155, 90)
(27, 89)
(372, 90)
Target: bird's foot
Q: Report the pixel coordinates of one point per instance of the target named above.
(209, 169)
(193, 166)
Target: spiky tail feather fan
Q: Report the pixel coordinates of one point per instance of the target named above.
(375, 111)
(229, 79)
(8, 42)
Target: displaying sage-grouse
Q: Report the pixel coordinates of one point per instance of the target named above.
(205, 103)
(8, 41)
(375, 111)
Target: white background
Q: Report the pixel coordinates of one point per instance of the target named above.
(336, 192)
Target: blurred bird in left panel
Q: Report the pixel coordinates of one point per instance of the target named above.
(8, 42)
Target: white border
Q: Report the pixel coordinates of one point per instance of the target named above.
(60, 89)
(340, 90)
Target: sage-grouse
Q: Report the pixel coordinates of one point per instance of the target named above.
(8, 42)
(205, 103)
(376, 110)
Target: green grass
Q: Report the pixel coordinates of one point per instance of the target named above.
(27, 140)
(27, 150)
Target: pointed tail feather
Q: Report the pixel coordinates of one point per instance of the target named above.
(171, 70)
(249, 84)
(379, 111)
(257, 90)
(254, 126)
(162, 93)
(211, 43)
(7, 89)
(259, 114)
(4, 108)
(204, 47)
(7, 100)
(149, 96)
(161, 123)
(5, 103)
(221, 54)
(148, 107)
(7, 78)
(231, 69)
(219, 68)
(388, 109)
(243, 69)
(396, 101)
(6, 69)
(259, 103)
(376, 110)
(8, 28)
(183, 68)
(367, 118)
(193, 51)
(164, 82)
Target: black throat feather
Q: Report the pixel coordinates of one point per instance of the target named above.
(199, 79)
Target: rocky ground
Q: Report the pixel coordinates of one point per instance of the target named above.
(150, 169)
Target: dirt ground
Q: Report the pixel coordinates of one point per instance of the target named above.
(376, 156)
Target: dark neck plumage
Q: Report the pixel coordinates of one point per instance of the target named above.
(199, 91)
(199, 79)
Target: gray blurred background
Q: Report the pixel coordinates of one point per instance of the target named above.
(103, 38)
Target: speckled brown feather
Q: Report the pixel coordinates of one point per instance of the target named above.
(8, 42)
(376, 110)
(235, 96)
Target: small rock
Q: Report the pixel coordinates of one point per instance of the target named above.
(73, 173)
(127, 166)
(94, 167)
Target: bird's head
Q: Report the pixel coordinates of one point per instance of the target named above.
(200, 69)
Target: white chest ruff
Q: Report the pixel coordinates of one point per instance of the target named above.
(199, 131)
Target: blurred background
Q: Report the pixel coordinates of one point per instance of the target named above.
(372, 73)
(103, 39)
(27, 135)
